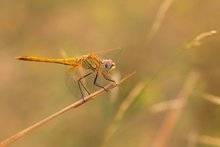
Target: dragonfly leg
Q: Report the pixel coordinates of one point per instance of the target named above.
(96, 84)
(81, 84)
(109, 79)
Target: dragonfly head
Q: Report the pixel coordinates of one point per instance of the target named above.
(108, 65)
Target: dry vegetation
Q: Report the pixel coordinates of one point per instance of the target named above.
(172, 100)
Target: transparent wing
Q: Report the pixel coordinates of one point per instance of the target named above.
(109, 53)
(112, 53)
(71, 82)
(73, 75)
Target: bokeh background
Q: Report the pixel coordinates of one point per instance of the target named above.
(172, 100)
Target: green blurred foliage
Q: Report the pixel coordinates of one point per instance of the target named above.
(31, 91)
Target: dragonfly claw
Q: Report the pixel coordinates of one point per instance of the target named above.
(105, 89)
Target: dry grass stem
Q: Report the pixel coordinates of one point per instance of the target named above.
(196, 41)
(211, 98)
(199, 38)
(24, 132)
(172, 117)
(167, 105)
(203, 139)
(159, 18)
(209, 140)
(121, 112)
(192, 139)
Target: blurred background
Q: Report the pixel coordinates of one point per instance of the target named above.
(172, 100)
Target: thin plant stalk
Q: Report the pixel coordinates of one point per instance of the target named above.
(112, 128)
(195, 139)
(159, 18)
(164, 133)
(28, 130)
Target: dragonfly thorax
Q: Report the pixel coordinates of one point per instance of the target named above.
(94, 63)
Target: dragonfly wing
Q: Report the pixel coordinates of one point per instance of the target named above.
(110, 53)
(73, 75)
(71, 81)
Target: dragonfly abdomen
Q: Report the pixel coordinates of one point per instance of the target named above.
(66, 61)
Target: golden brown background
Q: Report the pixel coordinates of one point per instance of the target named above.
(153, 35)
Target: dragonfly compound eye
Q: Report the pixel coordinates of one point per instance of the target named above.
(108, 64)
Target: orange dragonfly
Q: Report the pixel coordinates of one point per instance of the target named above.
(92, 62)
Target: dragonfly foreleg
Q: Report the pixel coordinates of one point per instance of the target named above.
(96, 84)
(109, 79)
(80, 83)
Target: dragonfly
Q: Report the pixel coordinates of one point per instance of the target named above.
(91, 62)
